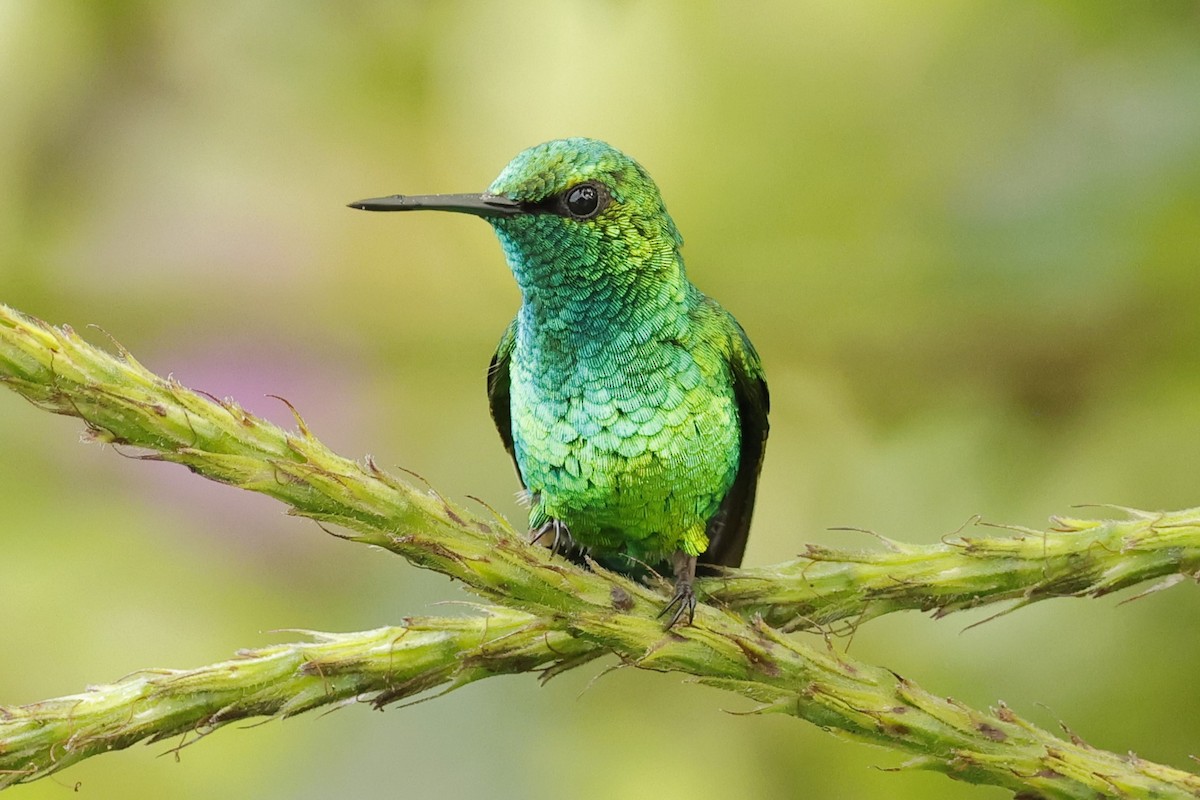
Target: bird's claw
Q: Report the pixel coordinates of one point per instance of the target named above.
(556, 527)
(684, 602)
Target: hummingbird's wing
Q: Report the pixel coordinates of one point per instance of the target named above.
(728, 530)
(498, 389)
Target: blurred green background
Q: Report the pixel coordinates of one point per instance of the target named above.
(965, 238)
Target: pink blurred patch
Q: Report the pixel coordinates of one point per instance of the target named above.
(327, 388)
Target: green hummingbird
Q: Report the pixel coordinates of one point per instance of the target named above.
(633, 405)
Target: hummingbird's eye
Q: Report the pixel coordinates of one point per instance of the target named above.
(585, 200)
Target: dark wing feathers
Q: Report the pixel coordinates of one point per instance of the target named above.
(728, 530)
(498, 389)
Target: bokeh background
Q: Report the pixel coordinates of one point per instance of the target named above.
(965, 238)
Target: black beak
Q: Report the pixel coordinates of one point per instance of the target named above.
(481, 205)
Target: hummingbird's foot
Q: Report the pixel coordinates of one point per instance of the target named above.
(562, 536)
(684, 603)
(684, 599)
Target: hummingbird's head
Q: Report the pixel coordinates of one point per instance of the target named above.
(587, 208)
(566, 212)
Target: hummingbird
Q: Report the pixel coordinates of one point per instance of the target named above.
(633, 405)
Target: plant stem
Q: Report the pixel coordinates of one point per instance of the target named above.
(385, 665)
(1073, 558)
(390, 664)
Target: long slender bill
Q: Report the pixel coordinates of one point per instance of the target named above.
(481, 205)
